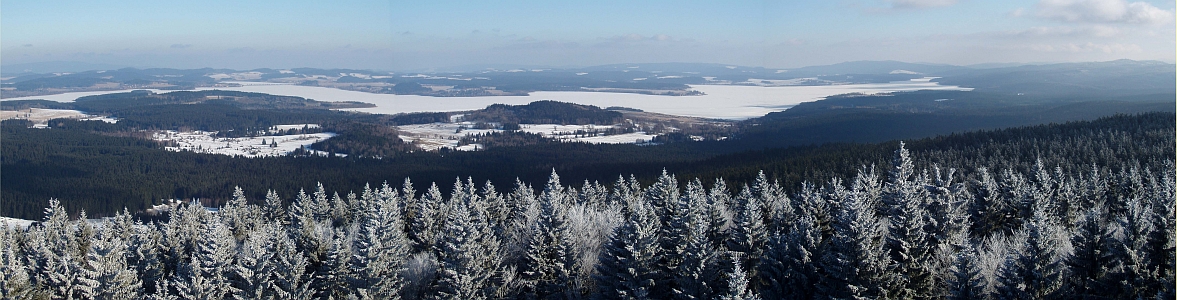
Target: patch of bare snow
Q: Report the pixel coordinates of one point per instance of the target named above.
(625, 138)
(205, 142)
(40, 116)
(15, 223)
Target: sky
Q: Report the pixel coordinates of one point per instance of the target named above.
(441, 34)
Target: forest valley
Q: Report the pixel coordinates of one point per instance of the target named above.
(911, 233)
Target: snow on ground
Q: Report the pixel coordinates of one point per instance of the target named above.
(734, 102)
(16, 223)
(556, 130)
(40, 116)
(204, 142)
(626, 138)
(433, 136)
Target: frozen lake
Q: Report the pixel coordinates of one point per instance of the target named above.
(721, 101)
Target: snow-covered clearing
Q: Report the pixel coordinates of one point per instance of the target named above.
(625, 138)
(40, 116)
(433, 136)
(16, 223)
(734, 102)
(557, 130)
(204, 142)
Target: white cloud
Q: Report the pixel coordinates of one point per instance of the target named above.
(921, 3)
(1112, 48)
(1103, 11)
(1100, 31)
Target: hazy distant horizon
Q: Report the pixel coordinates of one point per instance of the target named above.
(394, 35)
(77, 66)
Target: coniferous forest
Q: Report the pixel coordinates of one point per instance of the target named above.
(895, 231)
(600, 150)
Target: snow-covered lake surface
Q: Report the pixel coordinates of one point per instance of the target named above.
(204, 142)
(721, 101)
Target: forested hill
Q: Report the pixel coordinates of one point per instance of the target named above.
(544, 112)
(1031, 231)
(103, 174)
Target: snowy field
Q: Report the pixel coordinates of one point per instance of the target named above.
(433, 136)
(204, 142)
(40, 116)
(625, 138)
(556, 130)
(721, 101)
(15, 223)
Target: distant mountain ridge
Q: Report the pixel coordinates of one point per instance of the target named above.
(1120, 77)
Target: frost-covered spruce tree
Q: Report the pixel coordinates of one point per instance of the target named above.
(991, 211)
(718, 214)
(207, 274)
(628, 267)
(1093, 189)
(320, 205)
(106, 264)
(1089, 262)
(815, 203)
(593, 195)
(14, 276)
(290, 264)
(1130, 249)
(775, 205)
(626, 191)
(408, 204)
(697, 273)
(737, 284)
(424, 226)
(1160, 241)
(900, 181)
(1019, 193)
(965, 280)
(144, 255)
(304, 228)
(548, 262)
(676, 227)
(855, 263)
(748, 233)
(255, 270)
(381, 246)
(54, 257)
(331, 278)
(498, 212)
(663, 196)
(239, 215)
(525, 211)
(908, 240)
(1035, 272)
(275, 210)
(788, 268)
(464, 272)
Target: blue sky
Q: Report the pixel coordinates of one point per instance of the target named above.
(401, 35)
